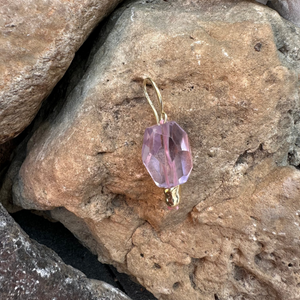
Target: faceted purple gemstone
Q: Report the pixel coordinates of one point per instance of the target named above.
(167, 154)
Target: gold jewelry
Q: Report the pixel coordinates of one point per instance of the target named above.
(166, 152)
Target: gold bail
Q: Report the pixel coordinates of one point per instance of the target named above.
(163, 115)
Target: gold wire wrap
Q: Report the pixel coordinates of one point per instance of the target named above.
(172, 196)
(163, 116)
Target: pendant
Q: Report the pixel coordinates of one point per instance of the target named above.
(166, 152)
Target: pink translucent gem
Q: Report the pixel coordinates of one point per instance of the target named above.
(166, 154)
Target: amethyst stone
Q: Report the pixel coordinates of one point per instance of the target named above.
(166, 154)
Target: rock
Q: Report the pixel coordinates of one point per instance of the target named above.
(260, 253)
(288, 9)
(54, 236)
(262, 1)
(29, 270)
(10, 170)
(248, 245)
(38, 42)
(228, 73)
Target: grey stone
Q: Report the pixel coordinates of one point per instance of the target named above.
(32, 271)
(288, 9)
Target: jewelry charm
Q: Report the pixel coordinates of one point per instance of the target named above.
(166, 152)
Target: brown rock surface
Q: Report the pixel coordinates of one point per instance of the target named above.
(226, 80)
(29, 270)
(37, 44)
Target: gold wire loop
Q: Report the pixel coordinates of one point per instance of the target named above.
(163, 116)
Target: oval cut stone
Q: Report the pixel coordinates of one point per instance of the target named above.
(166, 154)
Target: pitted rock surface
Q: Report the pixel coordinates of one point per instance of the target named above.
(229, 80)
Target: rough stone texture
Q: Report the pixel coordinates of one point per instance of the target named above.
(228, 72)
(29, 270)
(37, 43)
(289, 9)
(246, 247)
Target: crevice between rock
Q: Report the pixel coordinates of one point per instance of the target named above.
(56, 237)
